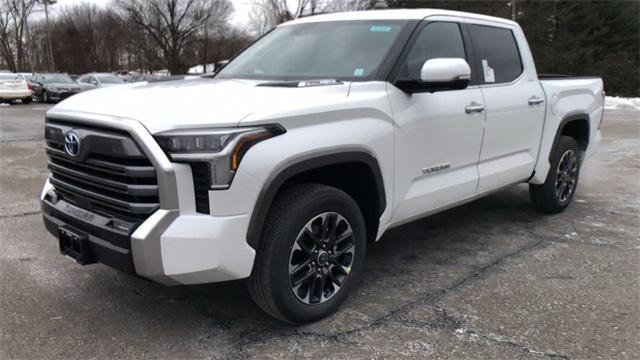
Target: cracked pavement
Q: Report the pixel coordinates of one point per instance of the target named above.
(491, 279)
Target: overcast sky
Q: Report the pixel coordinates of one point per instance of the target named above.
(240, 17)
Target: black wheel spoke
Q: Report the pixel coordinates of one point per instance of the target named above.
(346, 236)
(305, 247)
(312, 289)
(341, 252)
(333, 279)
(312, 236)
(303, 279)
(299, 267)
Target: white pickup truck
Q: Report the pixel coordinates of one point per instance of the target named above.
(315, 140)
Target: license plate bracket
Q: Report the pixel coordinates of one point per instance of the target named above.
(75, 245)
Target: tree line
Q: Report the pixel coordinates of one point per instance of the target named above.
(566, 37)
(144, 35)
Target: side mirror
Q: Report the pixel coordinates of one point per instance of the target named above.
(439, 75)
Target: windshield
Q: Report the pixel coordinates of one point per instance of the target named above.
(57, 79)
(343, 50)
(10, 77)
(108, 79)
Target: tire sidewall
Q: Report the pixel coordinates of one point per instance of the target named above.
(286, 302)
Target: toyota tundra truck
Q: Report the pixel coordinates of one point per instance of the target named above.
(310, 144)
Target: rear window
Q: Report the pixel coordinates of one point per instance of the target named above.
(497, 52)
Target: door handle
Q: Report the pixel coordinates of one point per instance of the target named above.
(534, 100)
(474, 107)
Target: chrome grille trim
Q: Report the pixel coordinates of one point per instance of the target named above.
(115, 174)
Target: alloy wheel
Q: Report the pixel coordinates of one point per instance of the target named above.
(321, 258)
(566, 176)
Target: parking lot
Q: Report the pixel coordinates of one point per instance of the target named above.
(491, 279)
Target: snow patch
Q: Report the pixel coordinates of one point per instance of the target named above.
(621, 103)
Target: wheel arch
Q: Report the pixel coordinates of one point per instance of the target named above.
(576, 126)
(317, 169)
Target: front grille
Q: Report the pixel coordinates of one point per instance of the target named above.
(110, 175)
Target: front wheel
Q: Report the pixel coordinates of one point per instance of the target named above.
(560, 186)
(310, 255)
(45, 97)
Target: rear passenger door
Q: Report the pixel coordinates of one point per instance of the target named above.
(514, 105)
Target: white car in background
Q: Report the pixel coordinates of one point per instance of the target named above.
(14, 87)
(98, 80)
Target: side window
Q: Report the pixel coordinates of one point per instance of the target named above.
(497, 51)
(436, 40)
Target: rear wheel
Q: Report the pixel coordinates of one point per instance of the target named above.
(310, 255)
(560, 186)
(27, 100)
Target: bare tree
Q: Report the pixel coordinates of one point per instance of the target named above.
(172, 24)
(350, 5)
(266, 14)
(6, 50)
(14, 15)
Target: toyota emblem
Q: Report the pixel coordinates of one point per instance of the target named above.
(72, 144)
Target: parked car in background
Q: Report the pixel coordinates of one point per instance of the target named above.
(14, 87)
(98, 80)
(48, 88)
(145, 77)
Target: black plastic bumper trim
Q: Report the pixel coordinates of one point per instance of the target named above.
(102, 250)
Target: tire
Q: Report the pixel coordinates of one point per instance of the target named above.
(559, 188)
(45, 97)
(286, 247)
(27, 100)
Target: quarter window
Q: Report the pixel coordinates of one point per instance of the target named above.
(437, 40)
(497, 52)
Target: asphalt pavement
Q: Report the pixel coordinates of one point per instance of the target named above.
(492, 279)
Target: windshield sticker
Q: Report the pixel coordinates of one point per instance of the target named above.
(380, 28)
(358, 72)
(489, 76)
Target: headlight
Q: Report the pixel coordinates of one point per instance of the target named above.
(220, 149)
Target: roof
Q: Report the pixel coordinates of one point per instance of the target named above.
(396, 14)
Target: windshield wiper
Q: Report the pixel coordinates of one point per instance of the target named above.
(301, 83)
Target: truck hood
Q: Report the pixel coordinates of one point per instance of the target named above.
(201, 102)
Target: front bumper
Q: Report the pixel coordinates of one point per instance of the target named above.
(61, 95)
(175, 245)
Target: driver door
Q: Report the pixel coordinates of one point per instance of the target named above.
(437, 137)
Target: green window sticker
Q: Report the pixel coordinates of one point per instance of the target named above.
(358, 72)
(380, 28)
